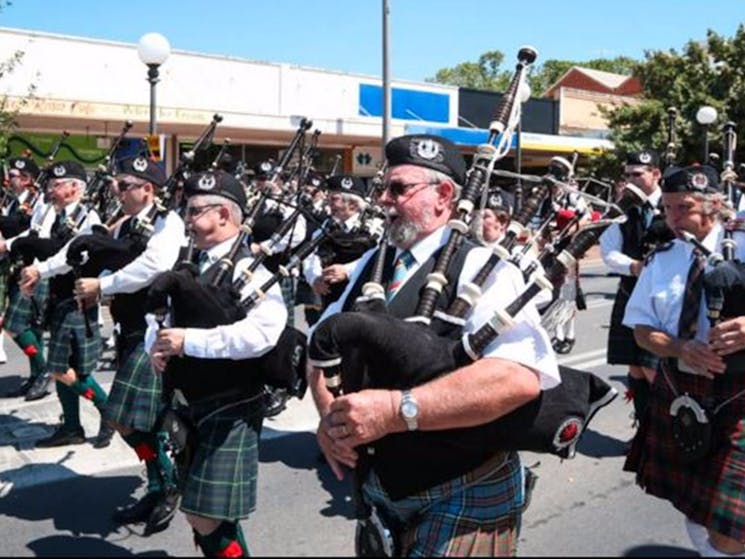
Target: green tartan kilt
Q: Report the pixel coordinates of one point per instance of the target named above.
(4, 283)
(68, 344)
(221, 482)
(135, 397)
(19, 315)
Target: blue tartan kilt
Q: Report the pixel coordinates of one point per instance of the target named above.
(135, 397)
(622, 347)
(68, 344)
(4, 282)
(221, 481)
(23, 313)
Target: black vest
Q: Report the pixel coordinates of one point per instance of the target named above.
(410, 462)
(342, 247)
(127, 309)
(639, 239)
(201, 379)
(61, 287)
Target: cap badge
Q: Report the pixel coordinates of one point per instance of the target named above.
(347, 183)
(140, 164)
(59, 171)
(207, 182)
(266, 166)
(427, 149)
(699, 181)
(20, 164)
(495, 201)
(645, 157)
(315, 181)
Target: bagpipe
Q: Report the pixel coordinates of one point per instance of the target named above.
(363, 349)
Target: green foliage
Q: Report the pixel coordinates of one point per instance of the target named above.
(484, 74)
(711, 72)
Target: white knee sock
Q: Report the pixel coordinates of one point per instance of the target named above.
(700, 539)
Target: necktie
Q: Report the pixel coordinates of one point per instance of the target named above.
(59, 221)
(403, 263)
(687, 324)
(204, 261)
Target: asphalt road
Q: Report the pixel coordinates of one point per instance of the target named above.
(586, 506)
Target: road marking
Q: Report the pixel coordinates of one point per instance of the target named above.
(581, 356)
(584, 365)
(596, 303)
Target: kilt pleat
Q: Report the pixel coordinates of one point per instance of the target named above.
(221, 482)
(68, 344)
(135, 397)
(20, 310)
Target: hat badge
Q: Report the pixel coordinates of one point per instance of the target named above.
(428, 149)
(140, 164)
(347, 183)
(59, 171)
(645, 157)
(207, 182)
(699, 181)
(20, 164)
(495, 201)
(315, 181)
(266, 166)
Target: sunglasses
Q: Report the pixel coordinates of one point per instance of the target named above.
(196, 211)
(123, 186)
(398, 189)
(634, 175)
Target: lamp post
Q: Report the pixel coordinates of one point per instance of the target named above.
(705, 116)
(153, 49)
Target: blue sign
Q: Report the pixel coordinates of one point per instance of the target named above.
(406, 104)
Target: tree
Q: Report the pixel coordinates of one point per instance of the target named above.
(484, 74)
(710, 72)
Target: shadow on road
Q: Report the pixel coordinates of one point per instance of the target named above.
(659, 551)
(73, 546)
(599, 445)
(79, 505)
(300, 451)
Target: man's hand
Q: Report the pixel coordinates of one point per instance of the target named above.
(701, 357)
(334, 273)
(169, 342)
(3, 246)
(30, 277)
(636, 267)
(728, 336)
(87, 291)
(320, 287)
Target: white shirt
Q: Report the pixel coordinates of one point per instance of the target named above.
(611, 242)
(251, 336)
(657, 298)
(526, 342)
(160, 254)
(57, 264)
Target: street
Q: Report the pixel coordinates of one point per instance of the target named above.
(586, 506)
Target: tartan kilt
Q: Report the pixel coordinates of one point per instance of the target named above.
(464, 517)
(221, 481)
(19, 314)
(4, 282)
(710, 491)
(622, 347)
(68, 344)
(135, 396)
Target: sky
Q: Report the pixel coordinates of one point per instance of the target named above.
(424, 35)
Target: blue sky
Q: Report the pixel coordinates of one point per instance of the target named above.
(425, 35)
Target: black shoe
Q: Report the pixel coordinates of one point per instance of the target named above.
(21, 390)
(275, 401)
(564, 346)
(164, 510)
(61, 437)
(103, 439)
(139, 511)
(39, 387)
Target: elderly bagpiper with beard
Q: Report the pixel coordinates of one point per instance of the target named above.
(135, 397)
(690, 446)
(438, 502)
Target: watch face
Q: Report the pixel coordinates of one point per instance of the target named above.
(409, 409)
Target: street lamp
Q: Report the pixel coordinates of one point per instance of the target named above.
(153, 49)
(705, 116)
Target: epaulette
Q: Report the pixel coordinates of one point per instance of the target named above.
(662, 247)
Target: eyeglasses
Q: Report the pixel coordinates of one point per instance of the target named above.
(196, 211)
(123, 186)
(398, 189)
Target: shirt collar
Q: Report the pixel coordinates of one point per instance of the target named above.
(219, 250)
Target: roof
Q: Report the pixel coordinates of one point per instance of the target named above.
(607, 82)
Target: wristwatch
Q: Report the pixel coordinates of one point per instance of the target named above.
(409, 410)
